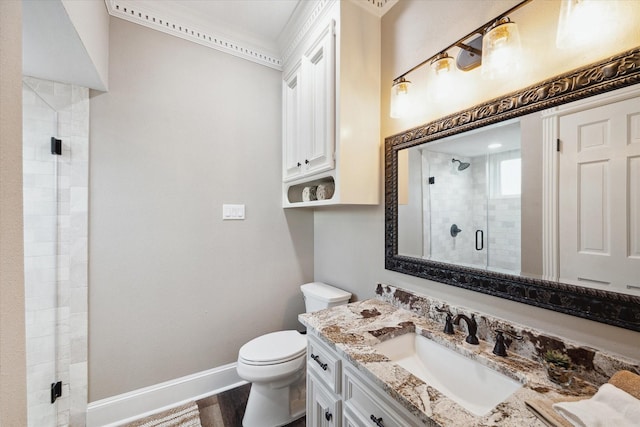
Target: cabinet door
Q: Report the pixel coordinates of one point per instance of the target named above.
(323, 409)
(292, 156)
(319, 74)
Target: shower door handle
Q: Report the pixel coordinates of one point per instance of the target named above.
(479, 240)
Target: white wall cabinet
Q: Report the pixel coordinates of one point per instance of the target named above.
(338, 395)
(309, 110)
(331, 107)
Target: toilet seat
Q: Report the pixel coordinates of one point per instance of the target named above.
(274, 348)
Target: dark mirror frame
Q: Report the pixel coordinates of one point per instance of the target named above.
(601, 306)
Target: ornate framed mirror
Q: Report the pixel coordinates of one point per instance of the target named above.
(505, 280)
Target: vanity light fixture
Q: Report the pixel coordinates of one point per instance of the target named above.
(502, 36)
(400, 97)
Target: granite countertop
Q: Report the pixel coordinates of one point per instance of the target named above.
(353, 329)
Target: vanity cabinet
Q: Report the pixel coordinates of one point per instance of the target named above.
(331, 108)
(324, 379)
(339, 395)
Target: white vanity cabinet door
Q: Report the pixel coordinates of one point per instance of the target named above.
(365, 405)
(309, 110)
(325, 363)
(324, 408)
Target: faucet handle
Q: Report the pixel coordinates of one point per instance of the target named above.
(500, 348)
(511, 334)
(444, 309)
(448, 323)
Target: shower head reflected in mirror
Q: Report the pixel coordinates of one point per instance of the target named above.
(462, 166)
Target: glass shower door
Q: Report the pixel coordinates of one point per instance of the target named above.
(40, 192)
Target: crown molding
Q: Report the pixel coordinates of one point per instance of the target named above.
(308, 12)
(302, 19)
(157, 20)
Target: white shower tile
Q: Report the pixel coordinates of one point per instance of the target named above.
(79, 200)
(78, 325)
(78, 373)
(78, 302)
(79, 350)
(79, 225)
(78, 275)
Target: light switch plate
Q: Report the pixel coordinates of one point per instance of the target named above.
(232, 211)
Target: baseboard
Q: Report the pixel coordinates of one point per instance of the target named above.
(126, 407)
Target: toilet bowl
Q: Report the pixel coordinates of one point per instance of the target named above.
(275, 364)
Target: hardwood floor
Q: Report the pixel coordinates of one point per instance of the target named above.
(227, 409)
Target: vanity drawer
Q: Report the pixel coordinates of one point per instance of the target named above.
(325, 363)
(363, 406)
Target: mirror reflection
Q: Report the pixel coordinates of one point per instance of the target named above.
(465, 193)
(477, 199)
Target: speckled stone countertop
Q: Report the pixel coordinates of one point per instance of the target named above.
(353, 329)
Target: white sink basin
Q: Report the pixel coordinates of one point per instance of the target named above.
(470, 384)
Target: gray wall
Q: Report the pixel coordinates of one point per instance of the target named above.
(349, 242)
(175, 290)
(13, 382)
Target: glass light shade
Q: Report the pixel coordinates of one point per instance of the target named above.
(501, 50)
(400, 103)
(442, 85)
(442, 64)
(583, 22)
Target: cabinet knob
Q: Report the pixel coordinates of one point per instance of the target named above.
(299, 164)
(306, 161)
(328, 416)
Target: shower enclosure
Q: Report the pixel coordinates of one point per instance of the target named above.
(55, 193)
(471, 202)
(472, 215)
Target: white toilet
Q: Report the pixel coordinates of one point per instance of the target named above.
(275, 364)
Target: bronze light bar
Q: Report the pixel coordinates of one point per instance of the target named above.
(461, 42)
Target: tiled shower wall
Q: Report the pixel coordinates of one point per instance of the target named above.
(56, 231)
(449, 200)
(461, 198)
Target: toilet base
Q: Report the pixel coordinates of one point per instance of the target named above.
(274, 405)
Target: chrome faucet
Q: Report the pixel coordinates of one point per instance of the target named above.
(472, 327)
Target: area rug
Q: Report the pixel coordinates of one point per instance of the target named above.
(186, 415)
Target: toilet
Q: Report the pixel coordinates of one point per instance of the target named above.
(275, 364)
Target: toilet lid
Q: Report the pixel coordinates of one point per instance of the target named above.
(276, 347)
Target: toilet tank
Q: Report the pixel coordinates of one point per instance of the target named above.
(318, 296)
